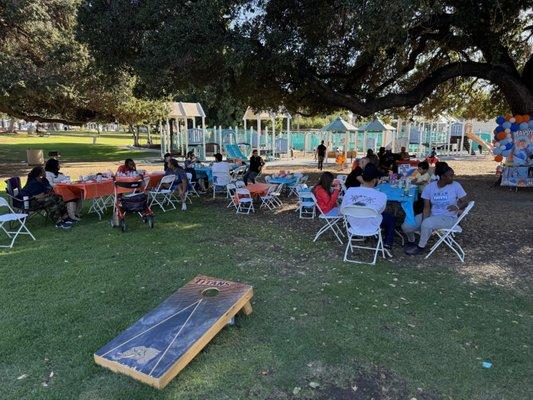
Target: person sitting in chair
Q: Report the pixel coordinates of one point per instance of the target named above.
(53, 176)
(128, 167)
(220, 170)
(180, 183)
(41, 196)
(443, 199)
(326, 193)
(190, 161)
(256, 164)
(367, 195)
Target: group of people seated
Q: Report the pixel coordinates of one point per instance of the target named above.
(39, 195)
(441, 201)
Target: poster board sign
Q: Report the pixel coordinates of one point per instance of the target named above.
(161, 343)
(517, 176)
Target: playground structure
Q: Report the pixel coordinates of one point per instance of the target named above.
(185, 129)
(175, 132)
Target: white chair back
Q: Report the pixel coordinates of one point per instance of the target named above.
(360, 212)
(4, 203)
(221, 179)
(240, 184)
(243, 192)
(189, 176)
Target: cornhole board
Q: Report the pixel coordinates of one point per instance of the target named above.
(160, 344)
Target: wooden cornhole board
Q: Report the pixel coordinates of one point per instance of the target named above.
(160, 344)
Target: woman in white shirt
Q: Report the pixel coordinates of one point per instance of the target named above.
(54, 177)
(443, 199)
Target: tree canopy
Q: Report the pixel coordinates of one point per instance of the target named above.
(317, 55)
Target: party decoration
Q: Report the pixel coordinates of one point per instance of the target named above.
(513, 139)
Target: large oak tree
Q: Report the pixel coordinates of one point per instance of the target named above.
(317, 55)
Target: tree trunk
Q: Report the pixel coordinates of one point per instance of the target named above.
(11, 128)
(517, 93)
(135, 134)
(149, 135)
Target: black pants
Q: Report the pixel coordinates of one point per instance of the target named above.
(320, 162)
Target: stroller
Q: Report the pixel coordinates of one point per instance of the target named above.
(131, 197)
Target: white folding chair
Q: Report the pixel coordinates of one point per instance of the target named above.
(268, 178)
(277, 194)
(220, 182)
(192, 187)
(11, 217)
(330, 220)
(240, 184)
(231, 189)
(306, 204)
(162, 194)
(245, 202)
(355, 232)
(447, 236)
(268, 200)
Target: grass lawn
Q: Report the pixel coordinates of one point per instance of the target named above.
(72, 148)
(356, 331)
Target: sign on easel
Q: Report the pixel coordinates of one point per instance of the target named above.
(160, 344)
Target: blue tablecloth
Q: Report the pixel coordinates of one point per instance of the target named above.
(284, 180)
(204, 172)
(406, 202)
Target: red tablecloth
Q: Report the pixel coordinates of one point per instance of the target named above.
(256, 190)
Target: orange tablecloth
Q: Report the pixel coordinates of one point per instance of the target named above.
(93, 190)
(258, 189)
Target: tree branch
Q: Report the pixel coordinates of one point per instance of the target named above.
(410, 98)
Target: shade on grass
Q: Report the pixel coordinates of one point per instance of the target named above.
(315, 318)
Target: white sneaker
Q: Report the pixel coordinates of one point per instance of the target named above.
(183, 207)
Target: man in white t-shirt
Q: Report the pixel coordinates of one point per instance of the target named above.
(366, 195)
(443, 199)
(220, 170)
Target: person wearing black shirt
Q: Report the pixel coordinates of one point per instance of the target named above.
(321, 154)
(256, 164)
(41, 197)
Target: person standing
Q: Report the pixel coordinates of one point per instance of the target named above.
(256, 164)
(321, 154)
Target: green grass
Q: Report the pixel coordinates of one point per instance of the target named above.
(72, 148)
(315, 318)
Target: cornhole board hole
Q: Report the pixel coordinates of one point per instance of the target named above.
(160, 344)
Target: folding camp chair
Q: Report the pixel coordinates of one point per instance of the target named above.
(356, 232)
(13, 188)
(330, 220)
(277, 194)
(447, 236)
(162, 194)
(12, 217)
(245, 202)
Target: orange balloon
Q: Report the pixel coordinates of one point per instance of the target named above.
(498, 158)
(501, 135)
(526, 118)
(518, 118)
(508, 117)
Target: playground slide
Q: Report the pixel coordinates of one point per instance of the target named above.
(478, 140)
(234, 151)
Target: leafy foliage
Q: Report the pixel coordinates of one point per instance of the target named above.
(316, 55)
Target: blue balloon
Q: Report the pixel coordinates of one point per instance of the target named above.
(530, 123)
(506, 125)
(497, 151)
(499, 129)
(503, 142)
(505, 153)
(514, 127)
(508, 146)
(500, 119)
(523, 126)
